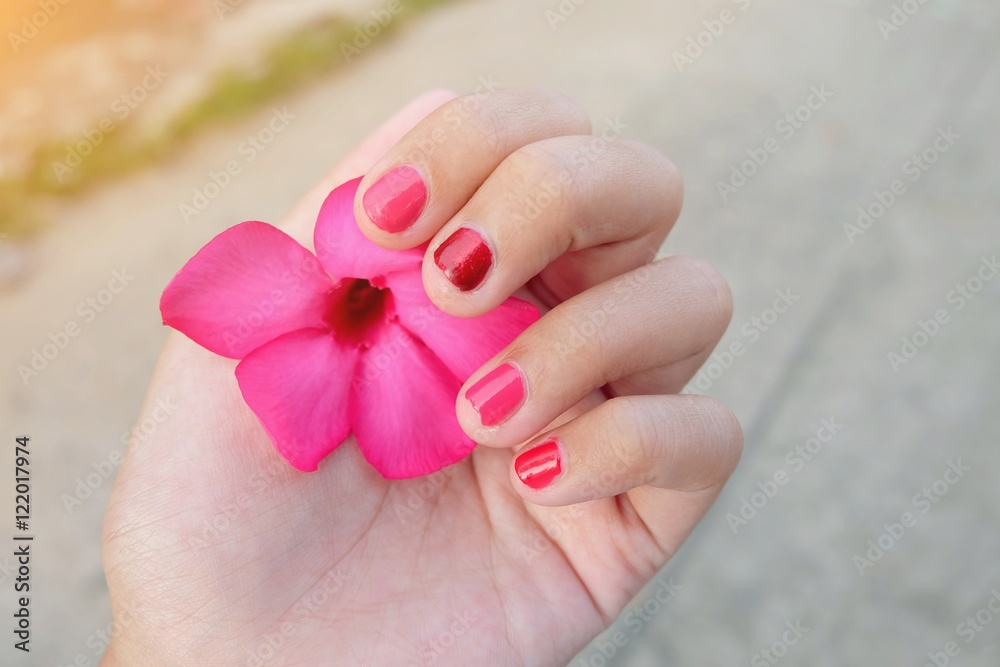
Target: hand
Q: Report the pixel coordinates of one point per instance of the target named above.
(219, 553)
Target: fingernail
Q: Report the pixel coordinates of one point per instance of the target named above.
(464, 258)
(539, 466)
(394, 202)
(497, 395)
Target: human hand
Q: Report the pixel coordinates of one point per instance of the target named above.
(218, 553)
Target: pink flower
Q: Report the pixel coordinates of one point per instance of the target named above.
(344, 340)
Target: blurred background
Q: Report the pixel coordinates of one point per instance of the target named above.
(841, 166)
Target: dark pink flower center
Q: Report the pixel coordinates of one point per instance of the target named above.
(355, 307)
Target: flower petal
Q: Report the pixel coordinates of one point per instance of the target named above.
(347, 253)
(403, 408)
(299, 385)
(247, 286)
(464, 344)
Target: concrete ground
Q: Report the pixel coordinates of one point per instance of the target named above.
(800, 561)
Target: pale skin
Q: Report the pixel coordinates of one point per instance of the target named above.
(219, 553)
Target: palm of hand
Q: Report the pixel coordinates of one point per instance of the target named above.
(218, 551)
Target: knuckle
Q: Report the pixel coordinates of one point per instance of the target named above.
(538, 172)
(567, 112)
(496, 117)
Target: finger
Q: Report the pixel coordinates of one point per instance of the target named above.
(431, 172)
(658, 315)
(610, 211)
(299, 222)
(685, 443)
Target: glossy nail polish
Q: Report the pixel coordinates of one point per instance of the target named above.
(498, 394)
(394, 202)
(539, 466)
(464, 258)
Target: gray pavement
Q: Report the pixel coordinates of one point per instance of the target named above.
(772, 574)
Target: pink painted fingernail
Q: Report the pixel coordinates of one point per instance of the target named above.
(394, 202)
(538, 467)
(498, 394)
(464, 258)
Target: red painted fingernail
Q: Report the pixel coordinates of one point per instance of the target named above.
(464, 258)
(539, 466)
(394, 202)
(497, 395)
